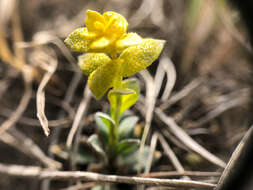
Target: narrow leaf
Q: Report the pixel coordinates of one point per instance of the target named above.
(126, 127)
(104, 123)
(127, 146)
(84, 157)
(130, 161)
(93, 141)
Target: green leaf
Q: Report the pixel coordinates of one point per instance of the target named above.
(130, 99)
(102, 78)
(127, 146)
(104, 123)
(128, 40)
(129, 162)
(125, 91)
(89, 62)
(116, 94)
(126, 127)
(94, 142)
(140, 56)
(78, 40)
(84, 157)
(129, 95)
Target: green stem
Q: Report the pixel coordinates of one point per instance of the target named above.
(115, 115)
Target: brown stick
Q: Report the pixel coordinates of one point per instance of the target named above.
(37, 172)
(180, 174)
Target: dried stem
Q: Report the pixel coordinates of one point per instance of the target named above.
(37, 172)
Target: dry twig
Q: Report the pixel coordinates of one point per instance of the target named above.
(37, 172)
(49, 63)
(180, 174)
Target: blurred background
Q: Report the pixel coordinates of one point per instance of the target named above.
(204, 81)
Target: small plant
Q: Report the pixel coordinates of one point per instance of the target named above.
(110, 55)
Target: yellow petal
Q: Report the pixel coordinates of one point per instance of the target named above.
(116, 24)
(100, 44)
(79, 40)
(127, 40)
(89, 62)
(92, 20)
(138, 57)
(102, 78)
(88, 35)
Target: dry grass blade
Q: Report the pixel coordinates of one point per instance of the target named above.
(21, 107)
(45, 37)
(34, 122)
(17, 37)
(200, 27)
(158, 17)
(152, 150)
(187, 140)
(153, 87)
(80, 112)
(171, 155)
(182, 93)
(238, 166)
(17, 61)
(24, 144)
(5, 53)
(224, 15)
(49, 63)
(37, 172)
(150, 101)
(6, 9)
(140, 14)
(171, 77)
(159, 77)
(234, 99)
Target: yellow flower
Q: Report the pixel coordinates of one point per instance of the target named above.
(104, 72)
(111, 53)
(100, 34)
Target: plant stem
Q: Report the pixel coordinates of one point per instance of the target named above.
(116, 116)
(115, 112)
